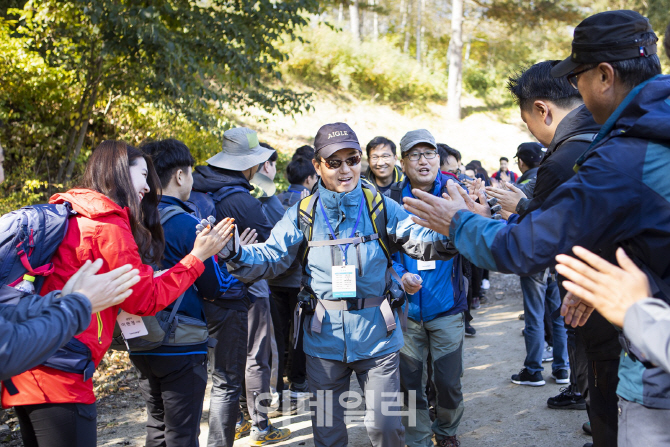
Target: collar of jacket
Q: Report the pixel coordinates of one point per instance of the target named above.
(439, 181)
(611, 122)
(296, 188)
(170, 200)
(577, 121)
(335, 201)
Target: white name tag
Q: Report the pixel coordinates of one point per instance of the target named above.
(344, 281)
(425, 265)
(131, 325)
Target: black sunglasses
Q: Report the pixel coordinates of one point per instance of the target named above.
(336, 163)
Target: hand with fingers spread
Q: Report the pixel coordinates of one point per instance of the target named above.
(508, 199)
(212, 240)
(105, 290)
(595, 283)
(248, 237)
(476, 188)
(435, 213)
(304, 193)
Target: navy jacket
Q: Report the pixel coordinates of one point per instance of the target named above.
(619, 197)
(35, 328)
(215, 283)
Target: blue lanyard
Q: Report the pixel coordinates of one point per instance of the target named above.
(353, 232)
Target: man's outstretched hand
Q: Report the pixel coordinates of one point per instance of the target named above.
(595, 283)
(435, 213)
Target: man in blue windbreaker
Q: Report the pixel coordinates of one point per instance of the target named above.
(436, 304)
(347, 281)
(620, 197)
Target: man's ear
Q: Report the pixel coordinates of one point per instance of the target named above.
(543, 111)
(179, 177)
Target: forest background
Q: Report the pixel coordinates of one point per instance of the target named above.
(76, 72)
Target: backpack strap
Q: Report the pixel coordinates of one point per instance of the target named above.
(226, 191)
(172, 316)
(306, 211)
(395, 192)
(169, 212)
(377, 211)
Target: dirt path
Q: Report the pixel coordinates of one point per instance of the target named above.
(497, 412)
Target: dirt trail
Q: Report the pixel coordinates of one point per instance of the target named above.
(497, 412)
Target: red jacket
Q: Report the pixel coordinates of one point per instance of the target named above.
(101, 229)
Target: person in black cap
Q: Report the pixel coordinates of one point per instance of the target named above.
(343, 235)
(528, 157)
(619, 197)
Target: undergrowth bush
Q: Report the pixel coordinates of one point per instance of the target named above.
(331, 59)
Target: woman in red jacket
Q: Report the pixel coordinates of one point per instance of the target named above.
(118, 221)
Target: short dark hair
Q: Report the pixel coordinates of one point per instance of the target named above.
(299, 169)
(273, 157)
(380, 141)
(305, 151)
(537, 82)
(634, 72)
(168, 156)
(504, 159)
(445, 150)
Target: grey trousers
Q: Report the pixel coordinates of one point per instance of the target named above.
(259, 358)
(443, 338)
(642, 426)
(378, 377)
(228, 358)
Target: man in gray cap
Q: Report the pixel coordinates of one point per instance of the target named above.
(343, 238)
(619, 197)
(243, 338)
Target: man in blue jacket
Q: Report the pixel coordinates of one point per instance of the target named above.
(346, 282)
(436, 305)
(619, 197)
(173, 378)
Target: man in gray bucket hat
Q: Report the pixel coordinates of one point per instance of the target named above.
(243, 328)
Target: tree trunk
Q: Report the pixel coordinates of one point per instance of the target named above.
(404, 25)
(353, 20)
(340, 14)
(82, 134)
(419, 12)
(375, 21)
(455, 61)
(73, 133)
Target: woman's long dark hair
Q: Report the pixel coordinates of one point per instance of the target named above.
(108, 172)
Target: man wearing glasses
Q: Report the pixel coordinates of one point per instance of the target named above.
(346, 281)
(382, 158)
(437, 302)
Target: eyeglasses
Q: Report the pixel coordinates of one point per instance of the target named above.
(376, 158)
(428, 155)
(336, 163)
(573, 77)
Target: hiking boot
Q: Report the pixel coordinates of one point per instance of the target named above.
(449, 441)
(475, 302)
(567, 400)
(522, 316)
(299, 390)
(561, 376)
(280, 411)
(525, 377)
(469, 330)
(587, 428)
(268, 436)
(548, 354)
(242, 428)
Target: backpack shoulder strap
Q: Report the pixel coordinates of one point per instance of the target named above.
(584, 137)
(169, 212)
(377, 210)
(395, 192)
(306, 211)
(226, 191)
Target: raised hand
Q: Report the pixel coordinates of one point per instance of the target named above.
(211, 240)
(596, 283)
(248, 237)
(105, 290)
(508, 199)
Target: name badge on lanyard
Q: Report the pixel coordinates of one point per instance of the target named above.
(425, 265)
(343, 276)
(131, 325)
(344, 281)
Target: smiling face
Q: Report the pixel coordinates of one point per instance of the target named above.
(138, 175)
(503, 165)
(382, 162)
(343, 179)
(422, 172)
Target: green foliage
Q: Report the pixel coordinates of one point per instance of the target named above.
(333, 59)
